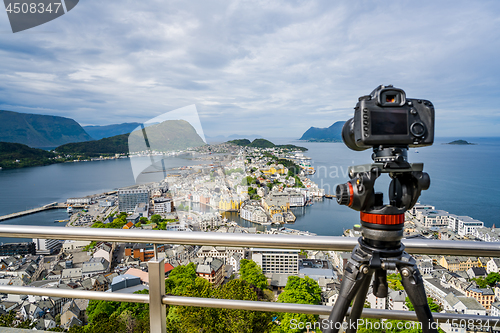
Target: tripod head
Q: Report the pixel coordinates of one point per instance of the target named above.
(408, 180)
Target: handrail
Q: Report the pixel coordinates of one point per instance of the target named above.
(241, 305)
(326, 243)
(157, 299)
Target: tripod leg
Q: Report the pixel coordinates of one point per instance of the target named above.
(359, 303)
(414, 286)
(352, 281)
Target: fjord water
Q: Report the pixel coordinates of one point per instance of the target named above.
(464, 181)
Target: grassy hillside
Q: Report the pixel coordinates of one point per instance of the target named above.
(108, 146)
(39, 130)
(10, 153)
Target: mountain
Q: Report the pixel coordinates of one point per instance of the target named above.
(99, 132)
(329, 134)
(16, 155)
(240, 142)
(166, 136)
(117, 144)
(39, 130)
(169, 135)
(263, 143)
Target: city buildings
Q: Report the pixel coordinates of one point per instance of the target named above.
(128, 199)
(212, 270)
(276, 260)
(47, 246)
(11, 249)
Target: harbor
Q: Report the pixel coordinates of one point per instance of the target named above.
(54, 205)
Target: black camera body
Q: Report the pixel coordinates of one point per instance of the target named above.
(387, 118)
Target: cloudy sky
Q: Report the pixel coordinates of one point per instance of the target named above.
(256, 67)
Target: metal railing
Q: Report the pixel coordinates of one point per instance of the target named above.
(158, 300)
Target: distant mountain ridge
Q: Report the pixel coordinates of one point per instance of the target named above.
(107, 131)
(329, 134)
(167, 136)
(117, 144)
(36, 130)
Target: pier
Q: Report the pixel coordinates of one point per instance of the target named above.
(54, 205)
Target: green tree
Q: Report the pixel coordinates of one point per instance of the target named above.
(302, 291)
(298, 182)
(90, 246)
(481, 282)
(143, 220)
(102, 323)
(180, 278)
(252, 273)
(193, 319)
(96, 307)
(394, 281)
(239, 320)
(105, 316)
(432, 305)
(248, 180)
(492, 279)
(155, 218)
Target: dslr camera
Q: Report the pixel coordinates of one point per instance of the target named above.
(387, 118)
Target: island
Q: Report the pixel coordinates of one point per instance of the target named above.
(460, 142)
(263, 143)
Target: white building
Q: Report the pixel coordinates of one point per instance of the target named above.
(69, 245)
(254, 212)
(467, 225)
(297, 200)
(163, 205)
(419, 208)
(47, 246)
(234, 261)
(80, 201)
(222, 253)
(433, 218)
(277, 260)
(101, 253)
(95, 266)
(376, 302)
(495, 309)
(493, 265)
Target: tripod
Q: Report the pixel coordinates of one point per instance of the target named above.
(380, 248)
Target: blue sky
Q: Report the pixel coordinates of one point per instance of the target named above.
(272, 68)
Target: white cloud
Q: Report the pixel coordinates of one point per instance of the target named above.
(256, 66)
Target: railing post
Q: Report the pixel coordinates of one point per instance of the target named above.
(157, 310)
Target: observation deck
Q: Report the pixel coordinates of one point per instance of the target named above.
(158, 300)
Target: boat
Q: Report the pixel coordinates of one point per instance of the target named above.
(69, 210)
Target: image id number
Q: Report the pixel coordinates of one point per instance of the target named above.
(31, 7)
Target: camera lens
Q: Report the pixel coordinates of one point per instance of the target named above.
(342, 194)
(348, 136)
